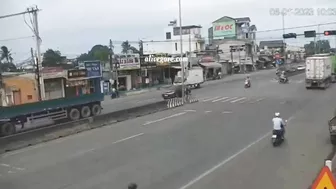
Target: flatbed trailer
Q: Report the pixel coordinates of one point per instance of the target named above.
(49, 112)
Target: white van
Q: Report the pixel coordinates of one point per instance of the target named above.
(194, 77)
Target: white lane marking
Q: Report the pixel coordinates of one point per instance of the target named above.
(162, 119)
(258, 100)
(206, 173)
(19, 168)
(237, 100)
(226, 112)
(206, 100)
(121, 140)
(190, 110)
(4, 165)
(229, 99)
(208, 111)
(243, 101)
(220, 99)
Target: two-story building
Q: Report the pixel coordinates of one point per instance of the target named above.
(192, 40)
(228, 35)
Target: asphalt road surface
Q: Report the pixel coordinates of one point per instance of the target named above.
(223, 141)
(110, 105)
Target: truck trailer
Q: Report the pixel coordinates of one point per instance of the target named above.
(47, 112)
(318, 71)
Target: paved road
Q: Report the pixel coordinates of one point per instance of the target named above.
(216, 143)
(153, 96)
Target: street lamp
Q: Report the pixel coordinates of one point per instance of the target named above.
(181, 46)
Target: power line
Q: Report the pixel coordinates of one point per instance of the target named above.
(17, 38)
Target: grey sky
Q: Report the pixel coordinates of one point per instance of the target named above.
(74, 26)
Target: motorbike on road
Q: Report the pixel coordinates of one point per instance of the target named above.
(283, 80)
(278, 137)
(247, 84)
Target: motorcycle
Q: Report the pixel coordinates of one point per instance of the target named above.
(247, 84)
(283, 80)
(277, 138)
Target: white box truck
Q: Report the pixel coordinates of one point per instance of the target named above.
(194, 77)
(318, 71)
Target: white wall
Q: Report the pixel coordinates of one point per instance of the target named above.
(172, 46)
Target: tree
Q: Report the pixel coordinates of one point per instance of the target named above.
(6, 55)
(321, 46)
(126, 47)
(97, 52)
(51, 58)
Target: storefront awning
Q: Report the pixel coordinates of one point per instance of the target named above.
(211, 65)
(177, 67)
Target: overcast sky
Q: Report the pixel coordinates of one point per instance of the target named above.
(74, 26)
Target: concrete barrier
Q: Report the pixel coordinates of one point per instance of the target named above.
(44, 134)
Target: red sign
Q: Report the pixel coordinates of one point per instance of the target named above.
(325, 180)
(277, 56)
(224, 27)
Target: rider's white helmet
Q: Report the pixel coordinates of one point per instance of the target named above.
(277, 114)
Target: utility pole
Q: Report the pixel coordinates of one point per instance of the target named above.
(114, 66)
(181, 46)
(37, 73)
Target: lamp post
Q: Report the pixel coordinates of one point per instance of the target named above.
(181, 47)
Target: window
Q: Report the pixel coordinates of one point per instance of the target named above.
(175, 46)
(246, 35)
(30, 97)
(196, 46)
(168, 35)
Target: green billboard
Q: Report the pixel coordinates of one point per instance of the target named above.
(225, 29)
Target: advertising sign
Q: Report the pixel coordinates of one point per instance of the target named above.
(77, 73)
(129, 61)
(93, 69)
(225, 29)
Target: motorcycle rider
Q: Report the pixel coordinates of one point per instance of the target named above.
(278, 125)
(132, 186)
(248, 80)
(283, 76)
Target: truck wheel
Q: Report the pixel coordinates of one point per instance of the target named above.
(85, 111)
(333, 139)
(96, 109)
(198, 86)
(8, 129)
(74, 114)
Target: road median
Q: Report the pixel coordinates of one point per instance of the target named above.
(53, 132)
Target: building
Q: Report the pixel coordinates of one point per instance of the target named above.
(19, 88)
(274, 45)
(192, 40)
(230, 34)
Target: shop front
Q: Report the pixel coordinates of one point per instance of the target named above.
(211, 67)
(78, 83)
(128, 72)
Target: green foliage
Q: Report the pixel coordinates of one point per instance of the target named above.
(97, 52)
(126, 47)
(6, 66)
(321, 46)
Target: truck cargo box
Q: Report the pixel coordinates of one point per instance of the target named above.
(29, 108)
(318, 67)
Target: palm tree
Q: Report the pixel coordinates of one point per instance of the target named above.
(6, 54)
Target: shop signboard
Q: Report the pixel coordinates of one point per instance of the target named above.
(77, 73)
(128, 61)
(94, 69)
(224, 29)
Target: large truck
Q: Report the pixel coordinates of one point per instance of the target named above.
(194, 77)
(318, 71)
(47, 112)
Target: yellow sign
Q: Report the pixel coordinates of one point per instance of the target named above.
(325, 180)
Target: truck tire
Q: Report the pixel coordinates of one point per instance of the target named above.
(333, 139)
(8, 129)
(85, 111)
(74, 114)
(95, 109)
